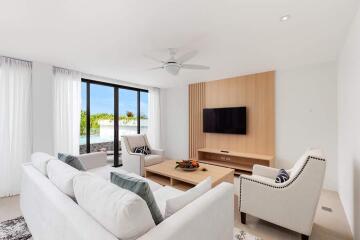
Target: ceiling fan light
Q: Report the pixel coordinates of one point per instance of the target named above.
(172, 68)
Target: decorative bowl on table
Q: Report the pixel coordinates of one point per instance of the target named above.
(187, 165)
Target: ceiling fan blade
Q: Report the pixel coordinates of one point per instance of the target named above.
(154, 68)
(154, 58)
(194, 66)
(186, 57)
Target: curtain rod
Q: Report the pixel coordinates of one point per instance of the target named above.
(16, 59)
(66, 69)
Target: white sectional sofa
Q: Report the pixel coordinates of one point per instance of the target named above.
(51, 214)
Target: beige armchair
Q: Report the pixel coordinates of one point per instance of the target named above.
(136, 162)
(291, 204)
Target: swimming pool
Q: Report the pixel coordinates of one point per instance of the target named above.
(95, 139)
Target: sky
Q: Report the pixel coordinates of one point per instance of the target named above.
(102, 100)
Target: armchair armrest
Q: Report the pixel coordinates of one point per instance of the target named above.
(257, 179)
(264, 171)
(157, 151)
(136, 154)
(133, 163)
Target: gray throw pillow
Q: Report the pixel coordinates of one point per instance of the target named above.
(72, 161)
(141, 188)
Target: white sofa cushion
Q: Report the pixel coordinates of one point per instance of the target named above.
(163, 194)
(120, 211)
(152, 159)
(61, 175)
(175, 204)
(40, 160)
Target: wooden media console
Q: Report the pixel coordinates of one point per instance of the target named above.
(240, 162)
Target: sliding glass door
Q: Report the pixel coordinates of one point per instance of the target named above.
(144, 112)
(109, 111)
(128, 123)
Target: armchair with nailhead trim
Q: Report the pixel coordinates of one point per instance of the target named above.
(291, 204)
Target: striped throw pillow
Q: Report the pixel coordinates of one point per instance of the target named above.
(282, 176)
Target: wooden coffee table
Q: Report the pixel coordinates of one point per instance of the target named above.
(166, 174)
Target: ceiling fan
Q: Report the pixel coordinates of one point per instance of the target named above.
(174, 64)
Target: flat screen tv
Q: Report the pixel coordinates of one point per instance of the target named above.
(224, 120)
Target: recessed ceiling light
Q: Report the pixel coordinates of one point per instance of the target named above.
(285, 18)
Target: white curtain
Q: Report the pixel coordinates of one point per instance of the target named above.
(67, 107)
(154, 129)
(15, 122)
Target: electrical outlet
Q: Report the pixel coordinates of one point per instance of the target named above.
(327, 209)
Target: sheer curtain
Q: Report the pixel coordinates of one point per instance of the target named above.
(67, 107)
(15, 122)
(154, 129)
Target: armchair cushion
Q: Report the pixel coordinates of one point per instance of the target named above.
(152, 160)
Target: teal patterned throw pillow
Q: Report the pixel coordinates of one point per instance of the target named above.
(141, 188)
(72, 161)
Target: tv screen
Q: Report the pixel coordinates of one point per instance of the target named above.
(225, 120)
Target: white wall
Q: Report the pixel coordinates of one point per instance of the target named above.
(349, 126)
(175, 122)
(306, 113)
(42, 97)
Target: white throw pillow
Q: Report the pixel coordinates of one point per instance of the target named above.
(61, 175)
(40, 160)
(175, 204)
(121, 212)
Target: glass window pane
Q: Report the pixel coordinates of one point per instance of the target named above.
(102, 119)
(144, 112)
(127, 112)
(83, 119)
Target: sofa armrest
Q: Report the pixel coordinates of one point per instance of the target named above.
(93, 160)
(264, 171)
(157, 151)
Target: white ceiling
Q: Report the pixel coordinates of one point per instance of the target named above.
(109, 37)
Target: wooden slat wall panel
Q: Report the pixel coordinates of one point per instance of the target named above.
(256, 92)
(196, 105)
